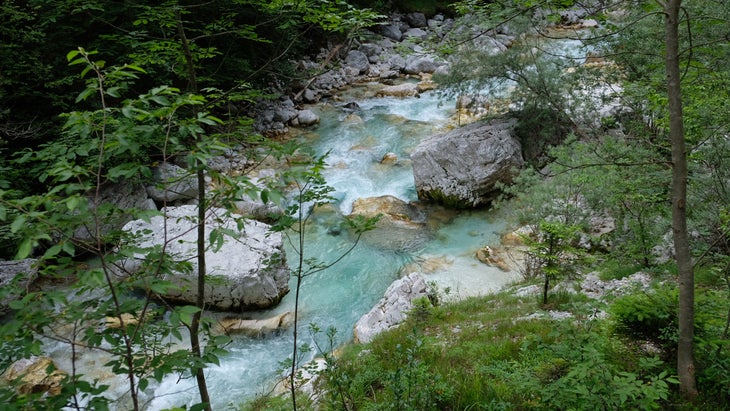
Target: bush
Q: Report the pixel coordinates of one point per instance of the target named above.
(648, 316)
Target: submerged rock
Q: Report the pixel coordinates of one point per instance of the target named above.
(248, 271)
(255, 327)
(401, 225)
(492, 258)
(400, 90)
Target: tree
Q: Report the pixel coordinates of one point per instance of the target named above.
(551, 253)
(103, 147)
(683, 256)
(310, 191)
(668, 92)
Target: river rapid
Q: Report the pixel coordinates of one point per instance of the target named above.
(339, 296)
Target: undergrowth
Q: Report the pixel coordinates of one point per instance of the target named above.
(503, 352)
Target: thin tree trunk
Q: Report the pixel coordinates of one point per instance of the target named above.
(685, 346)
(200, 301)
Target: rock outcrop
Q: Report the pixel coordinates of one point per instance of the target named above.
(392, 309)
(462, 167)
(248, 271)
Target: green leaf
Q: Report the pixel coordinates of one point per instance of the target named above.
(53, 251)
(18, 223)
(113, 91)
(68, 247)
(161, 287)
(186, 314)
(85, 94)
(73, 203)
(71, 54)
(135, 68)
(24, 249)
(85, 71)
(161, 100)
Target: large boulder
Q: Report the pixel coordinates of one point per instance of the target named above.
(416, 19)
(246, 272)
(358, 61)
(460, 168)
(392, 31)
(392, 309)
(306, 118)
(417, 64)
(15, 278)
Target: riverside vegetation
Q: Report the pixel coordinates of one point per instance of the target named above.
(627, 350)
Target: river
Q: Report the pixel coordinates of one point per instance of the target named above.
(339, 296)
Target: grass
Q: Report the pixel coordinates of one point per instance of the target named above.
(484, 353)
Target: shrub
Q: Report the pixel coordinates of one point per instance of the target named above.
(648, 316)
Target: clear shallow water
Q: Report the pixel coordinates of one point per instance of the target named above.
(339, 296)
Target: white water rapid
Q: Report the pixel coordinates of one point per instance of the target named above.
(338, 296)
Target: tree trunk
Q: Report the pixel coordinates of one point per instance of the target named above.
(200, 302)
(685, 346)
(195, 346)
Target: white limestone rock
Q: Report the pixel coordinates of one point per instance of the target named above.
(246, 272)
(462, 167)
(392, 309)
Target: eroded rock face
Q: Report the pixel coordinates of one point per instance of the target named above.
(392, 309)
(246, 272)
(461, 168)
